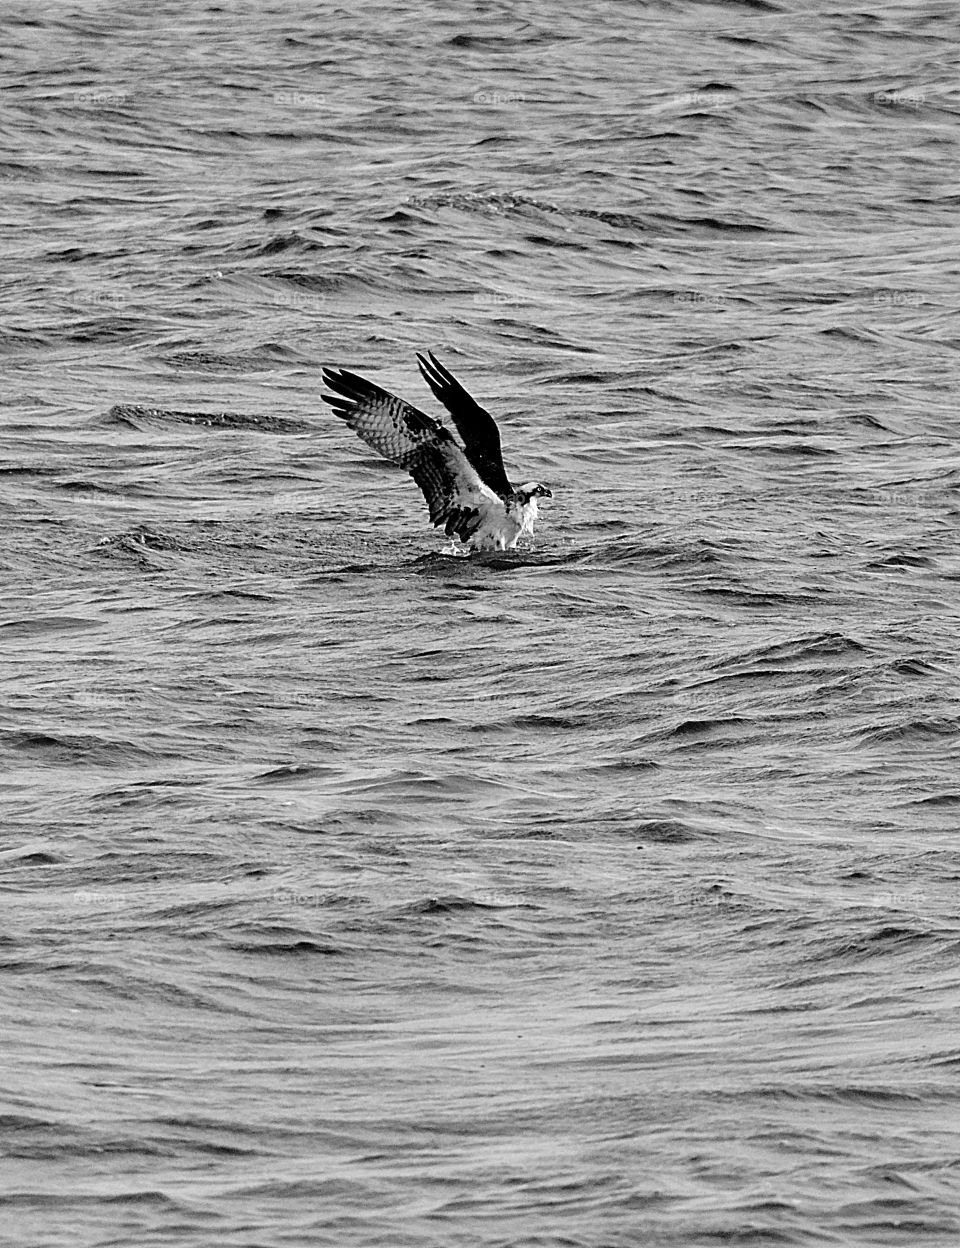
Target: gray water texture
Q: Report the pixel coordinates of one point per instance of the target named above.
(598, 894)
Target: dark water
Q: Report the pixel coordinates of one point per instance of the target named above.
(603, 894)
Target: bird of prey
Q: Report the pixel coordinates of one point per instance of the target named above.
(466, 487)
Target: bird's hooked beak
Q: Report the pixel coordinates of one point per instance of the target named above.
(546, 492)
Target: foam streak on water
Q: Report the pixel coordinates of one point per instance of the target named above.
(599, 894)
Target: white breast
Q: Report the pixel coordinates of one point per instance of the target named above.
(527, 514)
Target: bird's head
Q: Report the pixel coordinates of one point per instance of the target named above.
(533, 489)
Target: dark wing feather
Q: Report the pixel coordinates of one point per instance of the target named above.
(416, 442)
(388, 424)
(477, 428)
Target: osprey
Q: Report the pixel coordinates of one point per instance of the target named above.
(466, 487)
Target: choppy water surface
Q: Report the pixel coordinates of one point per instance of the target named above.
(602, 894)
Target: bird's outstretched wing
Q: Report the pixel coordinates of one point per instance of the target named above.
(481, 437)
(456, 496)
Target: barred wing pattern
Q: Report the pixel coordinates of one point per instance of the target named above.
(456, 496)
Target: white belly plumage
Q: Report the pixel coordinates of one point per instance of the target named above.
(500, 526)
